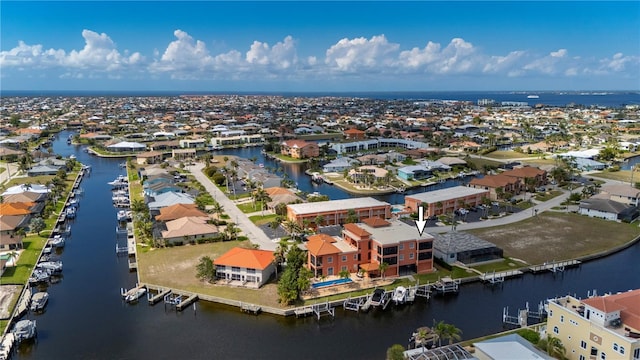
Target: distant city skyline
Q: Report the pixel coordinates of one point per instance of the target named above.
(309, 46)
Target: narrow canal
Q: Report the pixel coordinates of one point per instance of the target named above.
(86, 318)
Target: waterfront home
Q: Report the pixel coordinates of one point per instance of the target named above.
(335, 212)
(189, 228)
(280, 195)
(16, 189)
(599, 327)
(168, 199)
(9, 225)
(245, 267)
(158, 188)
(339, 165)
(236, 138)
(126, 146)
(368, 174)
(507, 184)
(368, 244)
(414, 172)
(149, 157)
(183, 154)
(43, 170)
(7, 153)
(375, 144)
(445, 201)
(527, 172)
(608, 209)
(463, 247)
(177, 211)
(299, 149)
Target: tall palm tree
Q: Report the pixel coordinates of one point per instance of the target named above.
(319, 220)
(218, 209)
(383, 268)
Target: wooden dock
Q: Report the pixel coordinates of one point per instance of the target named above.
(124, 292)
(303, 311)
(186, 302)
(250, 308)
(498, 277)
(154, 299)
(354, 304)
(555, 266)
(446, 285)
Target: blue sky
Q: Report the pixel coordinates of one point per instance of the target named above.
(319, 46)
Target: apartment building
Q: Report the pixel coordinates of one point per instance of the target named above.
(598, 328)
(445, 201)
(335, 212)
(300, 149)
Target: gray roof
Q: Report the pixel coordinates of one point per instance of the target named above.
(430, 197)
(621, 190)
(168, 199)
(605, 205)
(510, 347)
(395, 233)
(335, 205)
(455, 242)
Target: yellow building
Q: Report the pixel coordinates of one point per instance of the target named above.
(598, 328)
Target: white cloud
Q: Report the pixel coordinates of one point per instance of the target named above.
(501, 64)
(183, 54)
(459, 56)
(350, 55)
(281, 56)
(555, 63)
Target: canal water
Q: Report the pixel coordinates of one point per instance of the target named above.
(86, 318)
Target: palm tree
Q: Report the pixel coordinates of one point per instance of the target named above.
(439, 206)
(383, 268)
(553, 346)
(218, 209)
(292, 227)
(279, 255)
(319, 220)
(275, 223)
(344, 274)
(232, 231)
(530, 185)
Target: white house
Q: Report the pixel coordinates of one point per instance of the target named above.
(246, 267)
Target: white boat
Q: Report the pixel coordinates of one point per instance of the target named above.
(39, 301)
(399, 295)
(24, 330)
(51, 266)
(71, 212)
(533, 97)
(134, 296)
(39, 275)
(124, 215)
(57, 241)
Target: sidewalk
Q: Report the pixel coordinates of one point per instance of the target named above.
(254, 233)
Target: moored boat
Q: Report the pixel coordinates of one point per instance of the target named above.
(399, 295)
(24, 330)
(39, 301)
(135, 295)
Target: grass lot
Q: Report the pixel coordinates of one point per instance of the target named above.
(622, 175)
(2, 170)
(480, 163)
(546, 196)
(20, 273)
(505, 154)
(250, 207)
(176, 267)
(539, 162)
(289, 159)
(505, 264)
(42, 179)
(261, 220)
(557, 236)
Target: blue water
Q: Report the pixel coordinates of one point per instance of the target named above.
(553, 98)
(330, 283)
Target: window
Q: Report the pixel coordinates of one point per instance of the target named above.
(401, 246)
(424, 255)
(401, 257)
(425, 245)
(636, 353)
(603, 356)
(411, 245)
(582, 357)
(411, 256)
(583, 344)
(390, 250)
(235, 269)
(556, 330)
(344, 268)
(550, 313)
(355, 256)
(344, 258)
(251, 271)
(330, 271)
(391, 260)
(329, 259)
(622, 350)
(615, 347)
(561, 318)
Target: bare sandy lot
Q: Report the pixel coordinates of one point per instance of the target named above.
(558, 236)
(8, 294)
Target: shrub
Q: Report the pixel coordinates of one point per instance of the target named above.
(531, 335)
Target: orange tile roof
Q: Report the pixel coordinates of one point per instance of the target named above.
(376, 222)
(17, 208)
(322, 244)
(524, 172)
(356, 230)
(494, 181)
(278, 191)
(297, 143)
(179, 211)
(353, 131)
(246, 258)
(627, 302)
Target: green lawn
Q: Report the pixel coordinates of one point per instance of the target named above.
(262, 220)
(622, 175)
(506, 154)
(250, 207)
(546, 196)
(20, 273)
(505, 264)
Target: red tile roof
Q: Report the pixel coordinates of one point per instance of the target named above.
(246, 258)
(376, 222)
(627, 302)
(494, 181)
(178, 211)
(356, 230)
(17, 208)
(524, 172)
(322, 244)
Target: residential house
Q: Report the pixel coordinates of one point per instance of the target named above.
(280, 195)
(247, 267)
(9, 225)
(168, 199)
(608, 209)
(126, 146)
(339, 165)
(622, 193)
(354, 134)
(368, 174)
(189, 228)
(599, 327)
(508, 347)
(183, 154)
(149, 157)
(414, 172)
(528, 172)
(300, 149)
(458, 246)
(445, 201)
(178, 211)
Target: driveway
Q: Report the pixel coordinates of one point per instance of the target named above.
(254, 233)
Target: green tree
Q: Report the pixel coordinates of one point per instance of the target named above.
(344, 274)
(447, 332)
(319, 220)
(395, 352)
(553, 346)
(37, 225)
(383, 268)
(352, 217)
(206, 270)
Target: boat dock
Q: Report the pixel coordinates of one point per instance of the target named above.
(250, 308)
(446, 285)
(498, 277)
(303, 311)
(555, 266)
(7, 345)
(154, 299)
(354, 304)
(124, 292)
(179, 300)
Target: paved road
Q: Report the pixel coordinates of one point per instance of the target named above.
(11, 170)
(254, 233)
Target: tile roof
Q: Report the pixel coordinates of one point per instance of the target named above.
(322, 244)
(180, 210)
(246, 258)
(494, 181)
(17, 208)
(628, 303)
(356, 230)
(524, 172)
(376, 222)
(188, 226)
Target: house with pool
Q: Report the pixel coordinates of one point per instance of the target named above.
(366, 245)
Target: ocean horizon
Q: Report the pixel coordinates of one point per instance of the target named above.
(606, 98)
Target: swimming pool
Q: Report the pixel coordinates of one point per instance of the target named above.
(331, 283)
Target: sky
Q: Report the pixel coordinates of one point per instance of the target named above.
(299, 46)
